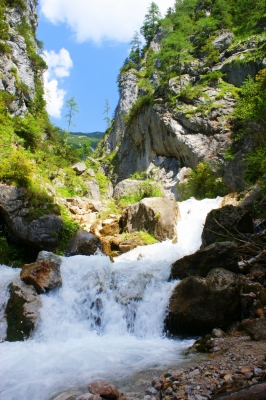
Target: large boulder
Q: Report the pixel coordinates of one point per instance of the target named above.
(104, 389)
(83, 243)
(223, 40)
(255, 328)
(22, 311)
(44, 274)
(217, 255)
(156, 215)
(126, 187)
(198, 305)
(225, 223)
(41, 232)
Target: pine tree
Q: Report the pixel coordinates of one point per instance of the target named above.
(135, 53)
(72, 106)
(151, 23)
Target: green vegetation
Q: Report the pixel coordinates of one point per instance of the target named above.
(201, 183)
(148, 188)
(69, 229)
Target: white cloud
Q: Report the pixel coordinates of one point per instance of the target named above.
(59, 65)
(102, 19)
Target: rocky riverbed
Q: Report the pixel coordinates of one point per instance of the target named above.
(235, 362)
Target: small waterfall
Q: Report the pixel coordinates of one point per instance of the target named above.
(106, 321)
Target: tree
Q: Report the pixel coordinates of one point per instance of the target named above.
(151, 23)
(72, 106)
(135, 53)
(106, 110)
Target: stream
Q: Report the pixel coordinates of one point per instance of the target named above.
(105, 322)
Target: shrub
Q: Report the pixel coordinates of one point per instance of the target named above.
(201, 183)
(18, 169)
(148, 188)
(146, 100)
(68, 231)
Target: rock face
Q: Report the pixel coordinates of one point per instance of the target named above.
(18, 60)
(217, 255)
(156, 215)
(226, 221)
(41, 233)
(44, 274)
(155, 132)
(198, 305)
(83, 243)
(126, 187)
(128, 96)
(22, 311)
(255, 328)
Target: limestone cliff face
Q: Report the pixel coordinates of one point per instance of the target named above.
(187, 129)
(128, 96)
(17, 72)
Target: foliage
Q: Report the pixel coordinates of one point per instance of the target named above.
(148, 188)
(103, 182)
(68, 231)
(106, 110)
(151, 23)
(146, 100)
(201, 183)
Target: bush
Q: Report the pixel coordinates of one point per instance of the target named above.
(148, 188)
(18, 169)
(201, 183)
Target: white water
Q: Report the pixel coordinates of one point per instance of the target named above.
(106, 321)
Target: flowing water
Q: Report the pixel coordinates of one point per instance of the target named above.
(106, 321)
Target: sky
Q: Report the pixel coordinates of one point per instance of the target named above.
(85, 44)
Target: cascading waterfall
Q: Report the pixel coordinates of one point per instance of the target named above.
(106, 321)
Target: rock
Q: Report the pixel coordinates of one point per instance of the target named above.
(126, 187)
(103, 389)
(156, 215)
(69, 395)
(217, 333)
(83, 243)
(236, 72)
(93, 189)
(79, 168)
(226, 222)
(129, 244)
(217, 255)
(255, 328)
(198, 305)
(223, 41)
(41, 232)
(89, 396)
(44, 274)
(152, 391)
(257, 392)
(22, 311)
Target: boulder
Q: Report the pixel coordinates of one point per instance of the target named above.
(104, 389)
(88, 396)
(44, 274)
(130, 244)
(83, 243)
(156, 215)
(79, 168)
(93, 189)
(22, 311)
(255, 328)
(41, 232)
(217, 255)
(126, 187)
(225, 223)
(223, 41)
(198, 305)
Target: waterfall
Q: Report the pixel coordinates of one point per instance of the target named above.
(106, 321)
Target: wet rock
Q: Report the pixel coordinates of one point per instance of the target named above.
(89, 396)
(129, 244)
(156, 215)
(44, 274)
(83, 243)
(104, 389)
(198, 305)
(22, 311)
(152, 391)
(217, 333)
(255, 328)
(226, 222)
(217, 255)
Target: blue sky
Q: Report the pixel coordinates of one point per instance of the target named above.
(85, 44)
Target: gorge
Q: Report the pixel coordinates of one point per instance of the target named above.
(114, 261)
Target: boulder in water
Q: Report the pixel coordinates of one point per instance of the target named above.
(226, 222)
(83, 243)
(217, 255)
(22, 311)
(156, 215)
(44, 274)
(198, 305)
(103, 389)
